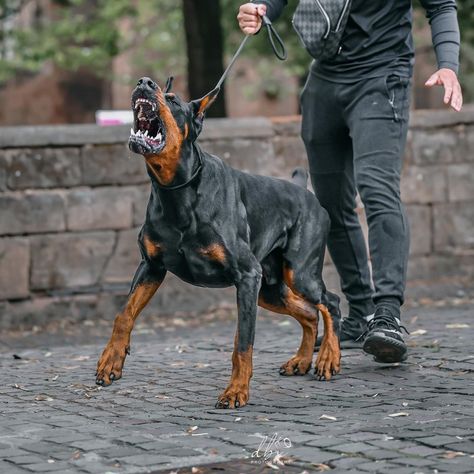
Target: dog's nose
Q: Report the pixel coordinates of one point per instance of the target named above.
(147, 83)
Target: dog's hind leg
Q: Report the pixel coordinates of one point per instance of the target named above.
(144, 286)
(280, 299)
(328, 361)
(237, 392)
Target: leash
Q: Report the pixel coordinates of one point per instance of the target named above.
(274, 38)
(280, 53)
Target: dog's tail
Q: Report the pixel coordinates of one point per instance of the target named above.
(300, 177)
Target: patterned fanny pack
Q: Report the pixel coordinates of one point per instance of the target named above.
(320, 25)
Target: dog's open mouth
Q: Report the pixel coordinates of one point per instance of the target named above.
(148, 133)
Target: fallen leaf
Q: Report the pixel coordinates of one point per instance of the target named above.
(453, 454)
(272, 466)
(196, 470)
(82, 357)
(17, 357)
(43, 398)
(401, 413)
(327, 417)
(192, 428)
(418, 332)
(405, 404)
(55, 378)
(322, 467)
(457, 326)
(238, 418)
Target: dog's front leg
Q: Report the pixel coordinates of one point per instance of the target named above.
(145, 283)
(237, 393)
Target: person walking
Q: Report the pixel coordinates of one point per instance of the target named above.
(355, 109)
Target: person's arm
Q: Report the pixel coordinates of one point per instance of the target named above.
(249, 16)
(442, 15)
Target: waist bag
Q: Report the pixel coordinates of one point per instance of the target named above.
(320, 25)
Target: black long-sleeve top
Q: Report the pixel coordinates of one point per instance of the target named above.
(378, 38)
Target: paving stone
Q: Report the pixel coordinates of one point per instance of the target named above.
(130, 428)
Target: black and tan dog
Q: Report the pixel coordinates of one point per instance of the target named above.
(214, 226)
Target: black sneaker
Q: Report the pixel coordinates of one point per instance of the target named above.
(352, 330)
(384, 338)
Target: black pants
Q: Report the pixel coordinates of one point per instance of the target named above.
(355, 137)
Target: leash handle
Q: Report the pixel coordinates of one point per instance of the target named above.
(280, 51)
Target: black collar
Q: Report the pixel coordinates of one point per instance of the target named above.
(188, 182)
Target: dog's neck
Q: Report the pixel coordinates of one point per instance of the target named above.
(176, 202)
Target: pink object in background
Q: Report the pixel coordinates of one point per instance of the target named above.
(113, 117)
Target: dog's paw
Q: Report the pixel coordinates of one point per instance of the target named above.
(328, 362)
(110, 365)
(296, 366)
(233, 398)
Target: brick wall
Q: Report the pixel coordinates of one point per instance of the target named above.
(72, 199)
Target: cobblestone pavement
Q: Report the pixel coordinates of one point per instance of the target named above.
(417, 417)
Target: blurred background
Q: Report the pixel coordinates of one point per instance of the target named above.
(61, 60)
(73, 198)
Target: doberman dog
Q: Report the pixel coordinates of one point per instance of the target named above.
(214, 226)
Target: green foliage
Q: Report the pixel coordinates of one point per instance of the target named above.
(87, 33)
(82, 34)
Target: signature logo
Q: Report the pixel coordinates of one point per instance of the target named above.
(271, 448)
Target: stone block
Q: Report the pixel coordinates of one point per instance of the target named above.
(289, 153)
(14, 268)
(441, 268)
(40, 311)
(246, 154)
(43, 167)
(99, 208)
(69, 260)
(461, 182)
(141, 195)
(419, 218)
(453, 226)
(434, 146)
(422, 185)
(112, 164)
(123, 263)
(31, 212)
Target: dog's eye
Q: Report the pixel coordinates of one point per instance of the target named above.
(171, 98)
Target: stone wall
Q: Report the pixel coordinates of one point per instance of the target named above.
(72, 199)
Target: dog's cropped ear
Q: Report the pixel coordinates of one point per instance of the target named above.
(169, 84)
(201, 105)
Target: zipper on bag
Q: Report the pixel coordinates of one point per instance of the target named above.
(326, 17)
(341, 17)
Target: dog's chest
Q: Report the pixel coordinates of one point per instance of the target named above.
(200, 258)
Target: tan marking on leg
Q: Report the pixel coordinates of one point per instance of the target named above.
(113, 356)
(237, 392)
(214, 252)
(152, 248)
(328, 361)
(305, 313)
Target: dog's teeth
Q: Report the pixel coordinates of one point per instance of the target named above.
(146, 133)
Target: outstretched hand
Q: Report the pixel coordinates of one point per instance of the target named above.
(452, 89)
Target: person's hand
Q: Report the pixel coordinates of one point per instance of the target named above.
(452, 89)
(250, 17)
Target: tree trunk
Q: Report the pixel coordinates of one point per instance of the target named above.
(205, 50)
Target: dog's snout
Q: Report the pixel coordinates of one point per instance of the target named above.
(147, 83)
